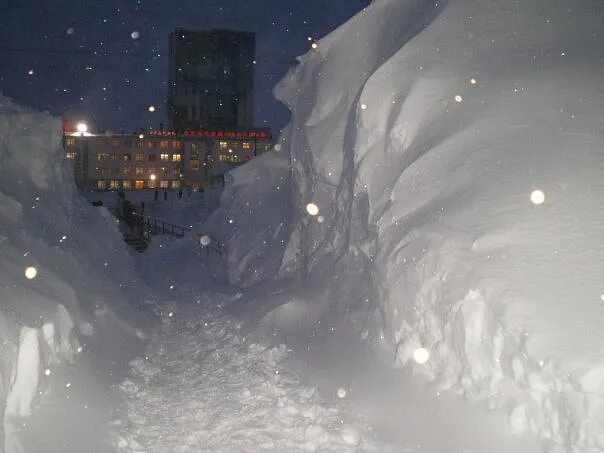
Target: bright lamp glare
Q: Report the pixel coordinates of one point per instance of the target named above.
(152, 177)
(82, 127)
(312, 209)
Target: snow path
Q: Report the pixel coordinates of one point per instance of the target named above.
(204, 387)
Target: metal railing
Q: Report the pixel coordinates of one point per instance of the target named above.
(152, 226)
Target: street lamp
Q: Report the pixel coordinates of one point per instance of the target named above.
(82, 128)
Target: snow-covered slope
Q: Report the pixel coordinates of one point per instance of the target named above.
(454, 152)
(82, 270)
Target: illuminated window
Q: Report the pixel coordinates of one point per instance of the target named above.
(138, 185)
(102, 156)
(163, 184)
(222, 158)
(223, 145)
(127, 157)
(113, 156)
(100, 184)
(126, 170)
(176, 144)
(163, 144)
(70, 141)
(70, 155)
(175, 184)
(152, 157)
(163, 170)
(245, 145)
(140, 171)
(140, 157)
(164, 156)
(176, 157)
(195, 165)
(140, 144)
(114, 184)
(127, 184)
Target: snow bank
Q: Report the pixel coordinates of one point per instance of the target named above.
(59, 281)
(454, 152)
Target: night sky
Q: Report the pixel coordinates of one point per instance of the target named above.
(107, 61)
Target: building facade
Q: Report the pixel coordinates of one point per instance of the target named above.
(211, 80)
(160, 159)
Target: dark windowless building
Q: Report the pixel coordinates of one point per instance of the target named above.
(211, 80)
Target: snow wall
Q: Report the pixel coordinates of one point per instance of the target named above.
(80, 259)
(428, 134)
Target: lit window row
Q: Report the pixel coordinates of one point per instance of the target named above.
(115, 184)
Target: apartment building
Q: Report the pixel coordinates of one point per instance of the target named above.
(160, 159)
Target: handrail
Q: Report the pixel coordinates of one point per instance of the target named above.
(155, 225)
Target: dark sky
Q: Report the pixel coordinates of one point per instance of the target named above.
(86, 65)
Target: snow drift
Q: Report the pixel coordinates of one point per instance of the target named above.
(454, 152)
(75, 291)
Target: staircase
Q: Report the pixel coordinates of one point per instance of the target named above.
(139, 243)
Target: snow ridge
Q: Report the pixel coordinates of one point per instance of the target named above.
(423, 148)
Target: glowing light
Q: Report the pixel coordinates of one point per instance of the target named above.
(141, 136)
(278, 147)
(602, 297)
(320, 219)
(363, 106)
(47, 372)
(341, 393)
(31, 272)
(70, 31)
(473, 81)
(205, 240)
(68, 385)
(30, 72)
(537, 197)
(152, 177)
(135, 35)
(152, 108)
(170, 314)
(312, 209)
(82, 127)
(421, 355)
(314, 45)
(458, 98)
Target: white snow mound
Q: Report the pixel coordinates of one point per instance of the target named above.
(454, 150)
(49, 233)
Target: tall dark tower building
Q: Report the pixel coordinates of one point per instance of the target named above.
(211, 80)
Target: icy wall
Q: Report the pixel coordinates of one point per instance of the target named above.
(454, 150)
(73, 252)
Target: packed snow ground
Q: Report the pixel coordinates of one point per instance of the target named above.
(205, 386)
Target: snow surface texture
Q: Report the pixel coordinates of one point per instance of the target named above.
(424, 132)
(205, 384)
(74, 292)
